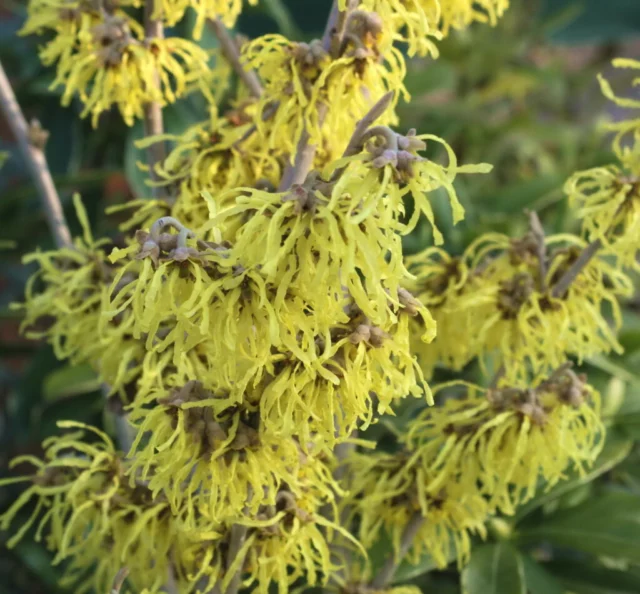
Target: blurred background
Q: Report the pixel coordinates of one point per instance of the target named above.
(522, 96)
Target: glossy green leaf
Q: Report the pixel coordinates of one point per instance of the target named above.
(496, 568)
(615, 368)
(70, 380)
(538, 579)
(605, 525)
(590, 578)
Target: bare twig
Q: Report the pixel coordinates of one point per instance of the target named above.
(153, 122)
(355, 143)
(337, 551)
(538, 234)
(305, 153)
(232, 55)
(118, 581)
(331, 27)
(297, 172)
(238, 536)
(562, 286)
(34, 156)
(334, 30)
(387, 571)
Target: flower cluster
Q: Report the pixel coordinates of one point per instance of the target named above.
(482, 452)
(103, 56)
(265, 311)
(501, 297)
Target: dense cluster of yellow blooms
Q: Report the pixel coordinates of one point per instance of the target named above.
(265, 311)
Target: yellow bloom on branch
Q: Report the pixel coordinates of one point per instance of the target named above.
(493, 300)
(307, 89)
(417, 20)
(227, 11)
(113, 66)
(387, 491)
(504, 441)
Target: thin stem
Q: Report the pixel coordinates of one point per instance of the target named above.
(538, 233)
(238, 536)
(297, 172)
(331, 27)
(305, 154)
(34, 156)
(386, 573)
(562, 286)
(153, 122)
(334, 30)
(232, 55)
(355, 143)
(337, 552)
(118, 581)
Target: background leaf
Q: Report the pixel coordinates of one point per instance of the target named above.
(588, 577)
(608, 524)
(494, 569)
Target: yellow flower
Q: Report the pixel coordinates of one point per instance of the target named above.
(291, 539)
(112, 66)
(495, 302)
(308, 90)
(202, 455)
(417, 19)
(227, 11)
(302, 238)
(214, 157)
(388, 491)
(415, 23)
(626, 129)
(503, 442)
(459, 14)
(439, 281)
(78, 485)
(391, 165)
(608, 202)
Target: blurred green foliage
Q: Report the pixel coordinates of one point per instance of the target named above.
(518, 96)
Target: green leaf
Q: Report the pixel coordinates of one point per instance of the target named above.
(494, 569)
(70, 380)
(538, 579)
(615, 450)
(38, 560)
(629, 423)
(615, 368)
(279, 12)
(519, 195)
(605, 525)
(590, 578)
(599, 22)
